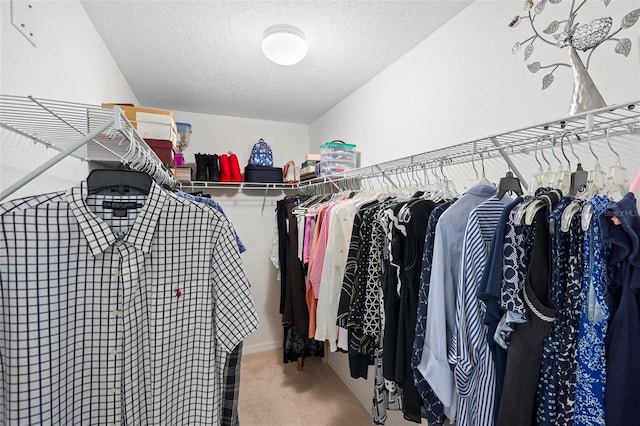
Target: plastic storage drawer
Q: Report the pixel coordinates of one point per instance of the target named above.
(337, 157)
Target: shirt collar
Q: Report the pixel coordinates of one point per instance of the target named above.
(483, 189)
(98, 234)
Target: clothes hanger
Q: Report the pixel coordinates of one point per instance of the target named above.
(562, 177)
(580, 177)
(509, 183)
(578, 183)
(597, 177)
(548, 177)
(617, 179)
(597, 180)
(536, 180)
(471, 182)
(118, 182)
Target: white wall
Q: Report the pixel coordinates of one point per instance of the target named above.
(69, 63)
(461, 84)
(215, 134)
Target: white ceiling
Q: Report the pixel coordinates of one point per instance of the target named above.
(204, 56)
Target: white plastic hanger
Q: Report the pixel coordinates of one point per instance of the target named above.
(617, 180)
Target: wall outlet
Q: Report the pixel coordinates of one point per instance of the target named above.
(24, 19)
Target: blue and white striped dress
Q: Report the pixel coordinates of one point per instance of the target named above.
(474, 368)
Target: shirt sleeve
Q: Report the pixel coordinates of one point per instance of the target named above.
(234, 311)
(464, 354)
(275, 245)
(434, 365)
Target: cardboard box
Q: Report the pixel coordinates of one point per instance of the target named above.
(312, 157)
(134, 113)
(308, 169)
(163, 149)
(150, 123)
(159, 131)
(183, 174)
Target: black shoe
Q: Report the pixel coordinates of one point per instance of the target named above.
(213, 169)
(201, 167)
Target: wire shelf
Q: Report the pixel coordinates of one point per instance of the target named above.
(84, 131)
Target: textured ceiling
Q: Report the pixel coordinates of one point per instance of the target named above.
(204, 56)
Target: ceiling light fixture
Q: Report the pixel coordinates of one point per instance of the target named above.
(284, 44)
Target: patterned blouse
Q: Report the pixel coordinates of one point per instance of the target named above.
(594, 316)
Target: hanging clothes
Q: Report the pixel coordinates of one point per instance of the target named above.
(295, 314)
(469, 353)
(433, 407)
(145, 309)
(591, 370)
(445, 276)
(489, 294)
(415, 223)
(524, 357)
(548, 380)
(622, 344)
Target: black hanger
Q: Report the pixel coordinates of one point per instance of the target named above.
(579, 180)
(509, 183)
(122, 182)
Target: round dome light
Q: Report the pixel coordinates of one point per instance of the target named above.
(284, 44)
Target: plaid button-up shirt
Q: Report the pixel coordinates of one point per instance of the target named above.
(114, 316)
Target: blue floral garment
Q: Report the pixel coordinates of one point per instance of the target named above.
(548, 380)
(433, 406)
(592, 370)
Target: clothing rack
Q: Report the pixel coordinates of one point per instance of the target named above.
(617, 120)
(87, 132)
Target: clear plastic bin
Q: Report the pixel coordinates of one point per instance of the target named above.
(337, 157)
(184, 133)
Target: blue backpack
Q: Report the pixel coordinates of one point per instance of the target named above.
(261, 155)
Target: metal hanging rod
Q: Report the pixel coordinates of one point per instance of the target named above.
(87, 132)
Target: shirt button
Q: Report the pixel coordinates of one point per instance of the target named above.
(115, 312)
(112, 424)
(113, 390)
(116, 273)
(114, 352)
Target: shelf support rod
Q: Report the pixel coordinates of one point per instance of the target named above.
(54, 160)
(512, 166)
(386, 176)
(264, 199)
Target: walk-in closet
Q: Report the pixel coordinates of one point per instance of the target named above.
(410, 212)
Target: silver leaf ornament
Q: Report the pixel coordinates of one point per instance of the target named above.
(624, 47)
(516, 48)
(540, 7)
(534, 67)
(630, 18)
(592, 34)
(528, 51)
(547, 80)
(563, 39)
(514, 22)
(606, 2)
(552, 28)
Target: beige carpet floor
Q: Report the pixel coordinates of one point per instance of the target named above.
(277, 394)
